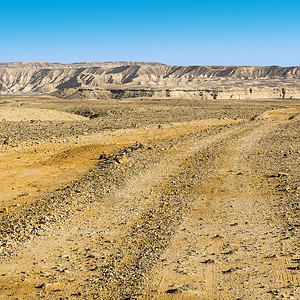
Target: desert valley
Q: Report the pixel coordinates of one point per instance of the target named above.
(127, 180)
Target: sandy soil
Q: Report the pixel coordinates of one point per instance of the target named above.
(35, 114)
(186, 200)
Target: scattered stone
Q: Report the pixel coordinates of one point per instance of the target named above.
(228, 271)
(294, 268)
(3, 210)
(217, 236)
(229, 252)
(271, 256)
(76, 294)
(9, 142)
(172, 291)
(275, 292)
(102, 156)
(185, 287)
(281, 174)
(40, 286)
(234, 224)
(208, 261)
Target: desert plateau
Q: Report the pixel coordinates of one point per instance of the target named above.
(127, 180)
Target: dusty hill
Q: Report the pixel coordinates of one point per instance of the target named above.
(34, 77)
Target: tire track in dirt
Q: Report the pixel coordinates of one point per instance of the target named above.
(231, 245)
(138, 251)
(102, 227)
(168, 218)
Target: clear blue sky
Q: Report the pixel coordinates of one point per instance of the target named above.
(174, 32)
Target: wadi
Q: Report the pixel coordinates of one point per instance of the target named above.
(134, 180)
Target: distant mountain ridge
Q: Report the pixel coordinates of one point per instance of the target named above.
(43, 77)
(49, 65)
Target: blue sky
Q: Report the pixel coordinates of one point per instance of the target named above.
(172, 32)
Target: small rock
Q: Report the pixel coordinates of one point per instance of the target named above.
(208, 261)
(229, 252)
(275, 292)
(228, 271)
(76, 294)
(217, 236)
(185, 287)
(271, 256)
(281, 174)
(172, 291)
(40, 286)
(294, 268)
(9, 142)
(3, 210)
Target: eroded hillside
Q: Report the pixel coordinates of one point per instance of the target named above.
(132, 79)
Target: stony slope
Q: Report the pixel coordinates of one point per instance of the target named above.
(27, 78)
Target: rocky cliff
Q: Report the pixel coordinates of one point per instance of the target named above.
(129, 79)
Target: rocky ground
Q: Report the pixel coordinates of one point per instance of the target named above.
(119, 114)
(151, 199)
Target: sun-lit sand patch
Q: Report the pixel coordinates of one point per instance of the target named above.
(8, 113)
(282, 114)
(27, 172)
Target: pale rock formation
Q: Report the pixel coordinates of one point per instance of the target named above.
(139, 79)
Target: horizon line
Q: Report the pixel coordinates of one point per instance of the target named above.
(144, 62)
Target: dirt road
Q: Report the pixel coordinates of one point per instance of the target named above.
(184, 216)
